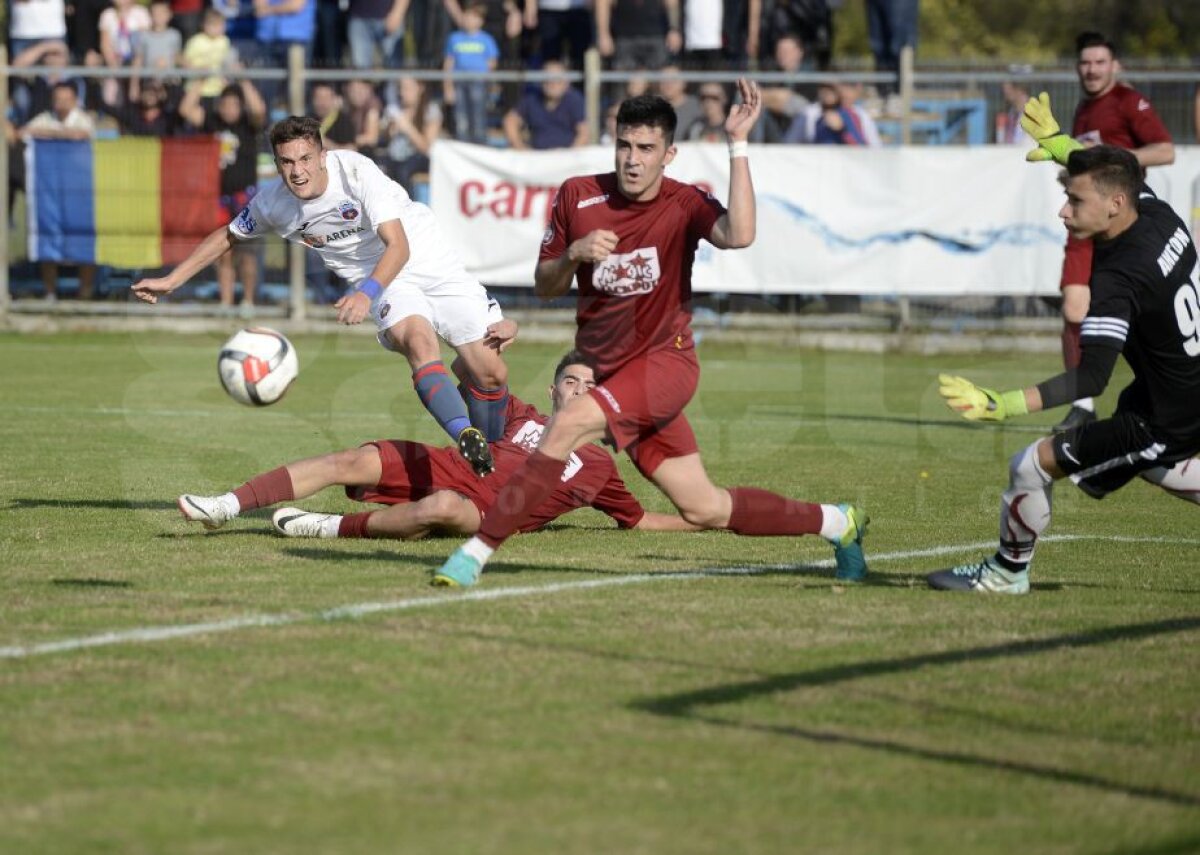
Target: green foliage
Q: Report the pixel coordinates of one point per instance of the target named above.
(1035, 31)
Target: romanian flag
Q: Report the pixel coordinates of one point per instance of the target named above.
(133, 202)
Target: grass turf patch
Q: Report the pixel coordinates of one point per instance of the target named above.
(755, 712)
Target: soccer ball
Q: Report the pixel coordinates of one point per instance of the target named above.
(257, 365)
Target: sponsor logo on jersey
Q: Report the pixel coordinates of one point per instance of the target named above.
(528, 437)
(384, 309)
(628, 274)
(320, 241)
(348, 211)
(548, 235)
(1143, 104)
(1172, 252)
(595, 200)
(245, 222)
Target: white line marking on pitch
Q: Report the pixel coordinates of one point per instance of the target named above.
(165, 633)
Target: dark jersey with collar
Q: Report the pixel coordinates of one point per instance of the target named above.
(1145, 304)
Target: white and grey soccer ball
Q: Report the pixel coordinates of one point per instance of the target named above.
(257, 365)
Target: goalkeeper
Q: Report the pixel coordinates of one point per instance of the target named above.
(1144, 306)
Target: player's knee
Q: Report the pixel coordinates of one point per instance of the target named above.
(354, 464)
(439, 509)
(1024, 471)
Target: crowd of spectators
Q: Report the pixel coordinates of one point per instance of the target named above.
(396, 122)
(156, 37)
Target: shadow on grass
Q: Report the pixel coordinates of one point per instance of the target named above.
(200, 533)
(690, 705)
(432, 562)
(91, 582)
(962, 758)
(17, 503)
(1182, 845)
(911, 421)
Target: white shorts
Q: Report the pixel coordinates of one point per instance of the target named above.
(459, 310)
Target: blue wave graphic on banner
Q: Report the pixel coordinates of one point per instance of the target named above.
(1018, 234)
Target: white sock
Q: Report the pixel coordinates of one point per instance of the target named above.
(834, 522)
(232, 500)
(1024, 507)
(478, 550)
(329, 528)
(1088, 404)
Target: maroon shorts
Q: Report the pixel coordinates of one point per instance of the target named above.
(1077, 262)
(413, 470)
(643, 404)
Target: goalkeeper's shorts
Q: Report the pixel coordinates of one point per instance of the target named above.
(1103, 456)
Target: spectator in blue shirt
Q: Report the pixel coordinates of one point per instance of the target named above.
(553, 118)
(278, 25)
(470, 49)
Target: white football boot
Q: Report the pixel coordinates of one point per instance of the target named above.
(210, 511)
(295, 522)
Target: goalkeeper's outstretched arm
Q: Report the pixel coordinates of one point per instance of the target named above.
(1088, 380)
(976, 403)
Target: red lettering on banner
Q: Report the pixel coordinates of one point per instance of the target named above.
(506, 200)
(465, 204)
(504, 204)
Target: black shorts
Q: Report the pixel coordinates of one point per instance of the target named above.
(1103, 456)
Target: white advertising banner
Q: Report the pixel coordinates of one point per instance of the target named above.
(929, 220)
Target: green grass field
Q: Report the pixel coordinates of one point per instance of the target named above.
(601, 691)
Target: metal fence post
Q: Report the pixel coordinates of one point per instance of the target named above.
(297, 305)
(906, 94)
(904, 320)
(591, 93)
(5, 296)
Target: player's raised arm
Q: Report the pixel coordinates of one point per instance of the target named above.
(736, 228)
(208, 251)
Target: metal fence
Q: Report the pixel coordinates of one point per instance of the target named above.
(957, 106)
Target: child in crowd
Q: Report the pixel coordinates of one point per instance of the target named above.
(470, 49)
(210, 49)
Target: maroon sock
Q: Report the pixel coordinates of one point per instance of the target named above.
(1072, 354)
(521, 494)
(354, 525)
(761, 513)
(266, 489)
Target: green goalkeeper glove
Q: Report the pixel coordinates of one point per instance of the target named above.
(1040, 124)
(978, 404)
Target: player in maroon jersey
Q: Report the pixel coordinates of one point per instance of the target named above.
(1109, 113)
(431, 489)
(628, 239)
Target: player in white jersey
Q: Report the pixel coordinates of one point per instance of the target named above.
(369, 232)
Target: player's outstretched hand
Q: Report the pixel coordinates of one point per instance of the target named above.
(353, 308)
(147, 290)
(743, 115)
(974, 403)
(500, 334)
(1039, 122)
(594, 246)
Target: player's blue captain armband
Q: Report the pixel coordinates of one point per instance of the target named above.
(371, 287)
